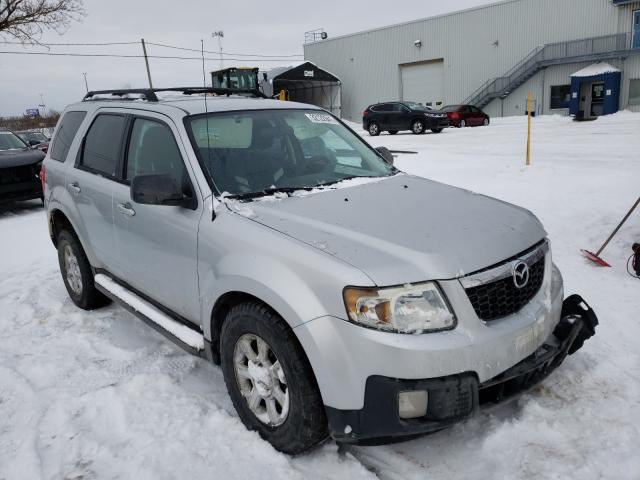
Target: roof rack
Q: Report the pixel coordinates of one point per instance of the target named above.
(149, 94)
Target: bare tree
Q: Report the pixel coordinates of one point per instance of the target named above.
(25, 20)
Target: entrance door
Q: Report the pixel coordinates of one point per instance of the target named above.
(597, 99)
(636, 29)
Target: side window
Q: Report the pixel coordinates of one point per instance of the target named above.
(103, 143)
(65, 134)
(384, 107)
(153, 151)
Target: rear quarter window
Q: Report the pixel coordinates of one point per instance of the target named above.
(103, 144)
(66, 132)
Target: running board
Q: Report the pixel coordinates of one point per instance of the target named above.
(187, 338)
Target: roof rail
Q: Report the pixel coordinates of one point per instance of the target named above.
(149, 94)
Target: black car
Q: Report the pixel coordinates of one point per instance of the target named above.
(396, 116)
(19, 169)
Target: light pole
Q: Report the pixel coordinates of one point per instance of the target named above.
(86, 85)
(44, 110)
(219, 35)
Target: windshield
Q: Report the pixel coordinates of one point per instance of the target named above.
(35, 136)
(237, 80)
(417, 106)
(10, 141)
(254, 151)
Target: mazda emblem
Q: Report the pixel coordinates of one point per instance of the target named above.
(520, 275)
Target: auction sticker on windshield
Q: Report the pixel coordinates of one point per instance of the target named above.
(321, 118)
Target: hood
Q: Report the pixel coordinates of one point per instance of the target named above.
(17, 158)
(403, 229)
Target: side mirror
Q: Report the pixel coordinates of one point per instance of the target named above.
(33, 143)
(156, 190)
(386, 154)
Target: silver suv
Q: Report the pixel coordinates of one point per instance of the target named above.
(342, 297)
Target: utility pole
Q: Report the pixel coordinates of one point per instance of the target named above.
(146, 61)
(219, 35)
(86, 85)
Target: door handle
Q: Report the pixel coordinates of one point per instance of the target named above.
(125, 209)
(75, 187)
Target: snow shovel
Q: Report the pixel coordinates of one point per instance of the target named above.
(595, 257)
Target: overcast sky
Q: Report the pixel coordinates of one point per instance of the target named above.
(250, 27)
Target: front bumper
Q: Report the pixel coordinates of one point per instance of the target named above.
(454, 398)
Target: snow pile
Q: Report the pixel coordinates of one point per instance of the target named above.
(599, 68)
(101, 395)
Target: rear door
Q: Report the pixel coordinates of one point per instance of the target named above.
(92, 180)
(397, 117)
(383, 113)
(157, 244)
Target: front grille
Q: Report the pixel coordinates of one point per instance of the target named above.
(501, 298)
(20, 174)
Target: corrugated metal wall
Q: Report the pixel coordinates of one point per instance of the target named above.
(477, 45)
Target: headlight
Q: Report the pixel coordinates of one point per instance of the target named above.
(410, 309)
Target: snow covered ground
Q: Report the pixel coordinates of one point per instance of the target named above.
(100, 395)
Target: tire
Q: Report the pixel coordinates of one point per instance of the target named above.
(462, 124)
(76, 273)
(417, 127)
(436, 130)
(305, 424)
(393, 132)
(374, 129)
(486, 122)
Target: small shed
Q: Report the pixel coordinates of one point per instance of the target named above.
(306, 83)
(595, 91)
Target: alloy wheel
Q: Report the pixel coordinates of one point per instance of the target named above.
(72, 270)
(261, 380)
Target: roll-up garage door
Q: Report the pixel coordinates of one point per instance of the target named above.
(424, 83)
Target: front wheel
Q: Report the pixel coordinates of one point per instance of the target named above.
(269, 379)
(374, 129)
(485, 122)
(462, 124)
(417, 127)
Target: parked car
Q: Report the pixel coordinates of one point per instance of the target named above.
(342, 297)
(466, 116)
(35, 139)
(393, 117)
(19, 169)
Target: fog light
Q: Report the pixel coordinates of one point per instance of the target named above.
(412, 404)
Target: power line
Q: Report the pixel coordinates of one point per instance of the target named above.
(38, 44)
(111, 55)
(163, 45)
(226, 53)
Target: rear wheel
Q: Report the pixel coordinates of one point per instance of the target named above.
(462, 124)
(269, 379)
(393, 132)
(374, 129)
(417, 127)
(76, 273)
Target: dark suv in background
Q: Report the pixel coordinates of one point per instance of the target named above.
(393, 117)
(19, 169)
(465, 116)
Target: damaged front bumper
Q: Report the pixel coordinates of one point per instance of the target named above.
(454, 398)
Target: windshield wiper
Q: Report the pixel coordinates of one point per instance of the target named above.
(266, 192)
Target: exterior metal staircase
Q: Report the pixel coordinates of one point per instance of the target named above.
(573, 51)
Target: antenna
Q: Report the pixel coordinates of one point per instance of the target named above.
(206, 116)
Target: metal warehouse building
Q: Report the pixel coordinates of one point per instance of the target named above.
(575, 56)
